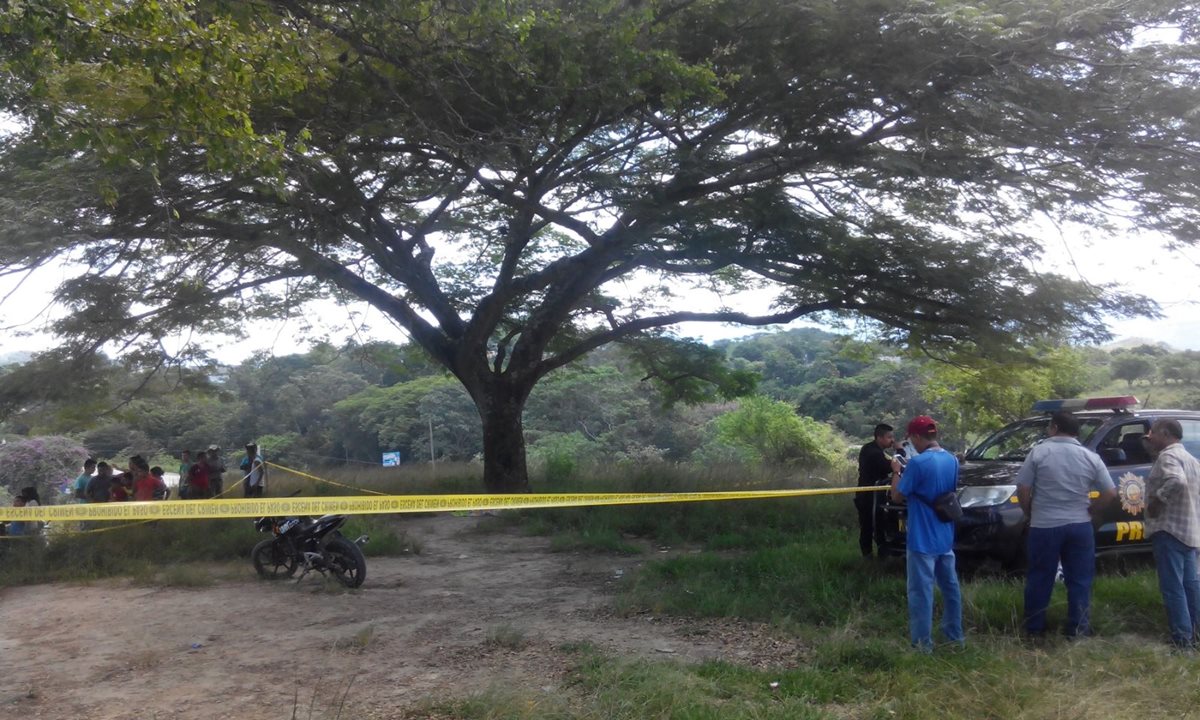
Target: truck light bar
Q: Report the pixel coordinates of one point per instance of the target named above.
(1103, 403)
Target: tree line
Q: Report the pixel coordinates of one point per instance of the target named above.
(815, 394)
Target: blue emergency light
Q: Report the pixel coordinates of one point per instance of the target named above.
(1119, 402)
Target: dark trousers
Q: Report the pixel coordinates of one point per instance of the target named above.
(864, 502)
(253, 491)
(1075, 547)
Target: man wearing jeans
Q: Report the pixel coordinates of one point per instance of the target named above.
(1053, 486)
(930, 542)
(1173, 526)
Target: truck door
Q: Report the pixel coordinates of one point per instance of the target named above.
(1120, 524)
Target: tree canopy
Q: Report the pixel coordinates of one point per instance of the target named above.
(594, 415)
(488, 174)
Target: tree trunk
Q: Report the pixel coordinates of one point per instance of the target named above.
(504, 469)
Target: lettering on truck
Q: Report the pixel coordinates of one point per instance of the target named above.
(1131, 531)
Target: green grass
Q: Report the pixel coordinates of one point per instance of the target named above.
(138, 550)
(794, 564)
(151, 553)
(716, 526)
(819, 581)
(386, 540)
(158, 553)
(454, 478)
(847, 676)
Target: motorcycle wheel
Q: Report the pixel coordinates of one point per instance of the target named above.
(271, 562)
(346, 562)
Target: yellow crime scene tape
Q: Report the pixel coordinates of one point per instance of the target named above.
(378, 504)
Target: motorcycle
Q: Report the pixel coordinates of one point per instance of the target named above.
(311, 544)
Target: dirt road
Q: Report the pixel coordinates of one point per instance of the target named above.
(473, 610)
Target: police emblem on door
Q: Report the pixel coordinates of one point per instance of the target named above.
(1132, 491)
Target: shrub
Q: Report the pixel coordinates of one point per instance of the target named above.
(770, 431)
(47, 463)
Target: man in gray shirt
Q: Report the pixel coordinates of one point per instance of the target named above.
(1053, 487)
(1173, 526)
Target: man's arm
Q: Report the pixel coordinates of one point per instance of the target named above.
(883, 465)
(1025, 478)
(1104, 485)
(1173, 483)
(1104, 498)
(1025, 498)
(897, 472)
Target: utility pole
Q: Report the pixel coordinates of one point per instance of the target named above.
(432, 454)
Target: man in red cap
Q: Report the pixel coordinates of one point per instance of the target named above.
(930, 540)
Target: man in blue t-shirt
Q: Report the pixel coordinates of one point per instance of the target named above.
(932, 472)
(79, 488)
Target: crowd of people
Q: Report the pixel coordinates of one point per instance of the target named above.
(201, 477)
(1061, 485)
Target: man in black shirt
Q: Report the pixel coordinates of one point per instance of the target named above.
(874, 468)
(99, 488)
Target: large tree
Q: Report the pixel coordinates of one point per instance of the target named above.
(490, 174)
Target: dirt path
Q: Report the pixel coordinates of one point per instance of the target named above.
(473, 610)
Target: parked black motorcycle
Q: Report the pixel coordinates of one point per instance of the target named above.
(309, 544)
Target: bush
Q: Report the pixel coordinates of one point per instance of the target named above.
(770, 431)
(48, 463)
(558, 457)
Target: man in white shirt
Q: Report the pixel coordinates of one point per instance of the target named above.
(1053, 486)
(256, 472)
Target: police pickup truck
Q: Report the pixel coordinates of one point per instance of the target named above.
(993, 523)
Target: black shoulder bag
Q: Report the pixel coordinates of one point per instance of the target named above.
(946, 506)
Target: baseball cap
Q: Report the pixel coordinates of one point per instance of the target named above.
(922, 425)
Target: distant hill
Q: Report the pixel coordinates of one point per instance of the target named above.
(1132, 342)
(15, 357)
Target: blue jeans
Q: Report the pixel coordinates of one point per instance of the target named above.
(923, 569)
(1074, 546)
(1179, 585)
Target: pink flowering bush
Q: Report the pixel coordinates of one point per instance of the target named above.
(48, 463)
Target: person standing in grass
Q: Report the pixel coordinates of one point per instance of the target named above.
(185, 466)
(81, 482)
(1173, 526)
(198, 488)
(255, 478)
(121, 489)
(1053, 486)
(930, 541)
(216, 471)
(146, 486)
(28, 497)
(161, 491)
(99, 488)
(874, 468)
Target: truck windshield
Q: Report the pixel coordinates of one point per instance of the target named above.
(1014, 441)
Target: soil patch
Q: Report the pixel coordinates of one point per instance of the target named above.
(472, 611)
